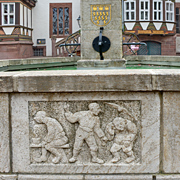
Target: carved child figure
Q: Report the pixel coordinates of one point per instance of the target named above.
(124, 133)
(54, 139)
(89, 124)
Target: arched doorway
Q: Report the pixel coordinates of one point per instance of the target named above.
(153, 48)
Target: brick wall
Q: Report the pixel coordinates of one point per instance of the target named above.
(168, 43)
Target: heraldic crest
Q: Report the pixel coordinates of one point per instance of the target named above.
(101, 14)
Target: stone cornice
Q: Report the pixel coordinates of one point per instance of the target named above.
(91, 81)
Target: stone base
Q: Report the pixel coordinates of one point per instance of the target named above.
(101, 64)
(16, 49)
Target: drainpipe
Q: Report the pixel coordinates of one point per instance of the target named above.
(122, 15)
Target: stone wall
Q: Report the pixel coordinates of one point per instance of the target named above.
(16, 50)
(90, 125)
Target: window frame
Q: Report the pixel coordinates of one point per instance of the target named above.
(169, 11)
(8, 14)
(129, 10)
(144, 10)
(157, 10)
(60, 5)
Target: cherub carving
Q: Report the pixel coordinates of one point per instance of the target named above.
(123, 132)
(89, 124)
(54, 141)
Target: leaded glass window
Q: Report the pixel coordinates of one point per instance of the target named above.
(61, 19)
(54, 20)
(61, 23)
(66, 16)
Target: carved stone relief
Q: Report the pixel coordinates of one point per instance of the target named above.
(83, 132)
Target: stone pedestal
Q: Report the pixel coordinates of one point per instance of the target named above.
(96, 14)
(129, 114)
(16, 49)
(101, 64)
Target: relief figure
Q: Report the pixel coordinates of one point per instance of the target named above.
(55, 140)
(123, 133)
(89, 123)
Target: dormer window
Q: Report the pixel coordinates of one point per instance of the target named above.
(157, 10)
(130, 10)
(169, 11)
(8, 13)
(144, 10)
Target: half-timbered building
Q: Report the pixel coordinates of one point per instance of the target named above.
(32, 27)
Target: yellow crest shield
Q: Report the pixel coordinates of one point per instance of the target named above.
(101, 14)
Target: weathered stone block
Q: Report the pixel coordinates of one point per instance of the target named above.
(8, 177)
(167, 177)
(99, 64)
(4, 133)
(114, 52)
(83, 81)
(50, 177)
(6, 81)
(118, 177)
(96, 14)
(171, 135)
(166, 80)
(67, 133)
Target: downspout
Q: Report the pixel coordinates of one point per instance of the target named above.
(122, 15)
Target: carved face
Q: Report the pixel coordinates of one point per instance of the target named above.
(36, 130)
(127, 143)
(119, 123)
(94, 107)
(40, 116)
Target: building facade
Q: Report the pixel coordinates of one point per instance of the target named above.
(154, 22)
(16, 28)
(32, 27)
(57, 20)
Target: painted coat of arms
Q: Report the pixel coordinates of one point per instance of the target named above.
(101, 14)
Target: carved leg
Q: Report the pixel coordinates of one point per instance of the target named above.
(130, 158)
(43, 157)
(77, 145)
(116, 157)
(57, 155)
(114, 150)
(95, 159)
(55, 152)
(91, 142)
(64, 158)
(74, 158)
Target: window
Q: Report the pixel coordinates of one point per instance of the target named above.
(60, 19)
(8, 13)
(177, 20)
(39, 50)
(144, 10)
(130, 10)
(169, 11)
(157, 10)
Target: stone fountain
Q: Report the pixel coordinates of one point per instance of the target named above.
(91, 125)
